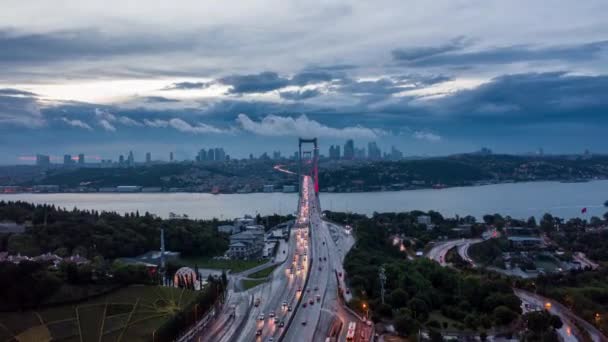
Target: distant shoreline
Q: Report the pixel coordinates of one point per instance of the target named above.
(434, 187)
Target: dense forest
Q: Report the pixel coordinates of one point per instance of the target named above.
(108, 234)
(421, 292)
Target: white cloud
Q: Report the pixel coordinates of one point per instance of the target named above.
(103, 115)
(127, 121)
(156, 123)
(428, 136)
(77, 123)
(107, 125)
(199, 128)
(273, 125)
(184, 126)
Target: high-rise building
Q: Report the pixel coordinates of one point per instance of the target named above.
(211, 154)
(171, 156)
(81, 159)
(220, 155)
(202, 155)
(43, 160)
(131, 159)
(349, 149)
(148, 157)
(373, 151)
(334, 152)
(396, 154)
(67, 159)
(121, 160)
(276, 155)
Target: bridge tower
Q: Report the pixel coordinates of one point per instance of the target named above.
(314, 171)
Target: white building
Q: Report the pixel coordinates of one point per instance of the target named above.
(228, 229)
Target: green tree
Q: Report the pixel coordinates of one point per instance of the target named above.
(399, 298)
(405, 325)
(503, 315)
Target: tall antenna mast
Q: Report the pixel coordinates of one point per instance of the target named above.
(382, 277)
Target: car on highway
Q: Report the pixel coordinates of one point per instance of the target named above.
(284, 304)
(261, 317)
(257, 302)
(271, 314)
(311, 301)
(316, 288)
(289, 308)
(304, 305)
(258, 332)
(270, 339)
(276, 320)
(281, 324)
(318, 298)
(304, 322)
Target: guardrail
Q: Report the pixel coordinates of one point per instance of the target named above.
(299, 301)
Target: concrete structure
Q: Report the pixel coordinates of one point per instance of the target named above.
(424, 219)
(525, 241)
(289, 188)
(128, 188)
(248, 244)
(227, 229)
(268, 188)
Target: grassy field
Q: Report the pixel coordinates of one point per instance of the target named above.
(234, 265)
(249, 283)
(129, 314)
(263, 273)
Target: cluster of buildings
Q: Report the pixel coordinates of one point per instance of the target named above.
(351, 152)
(248, 240)
(213, 154)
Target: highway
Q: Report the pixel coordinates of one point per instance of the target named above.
(440, 249)
(306, 280)
(569, 331)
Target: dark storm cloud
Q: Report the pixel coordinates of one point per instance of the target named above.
(256, 83)
(188, 85)
(503, 55)
(533, 97)
(299, 95)
(269, 81)
(422, 52)
(309, 77)
(11, 91)
(21, 48)
(20, 111)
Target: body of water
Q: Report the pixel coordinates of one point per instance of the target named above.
(520, 200)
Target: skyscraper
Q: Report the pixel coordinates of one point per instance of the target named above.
(148, 157)
(202, 155)
(67, 159)
(81, 159)
(220, 155)
(373, 151)
(131, 159)
(171, 156)
(43, 160)
(334, 152)
(349, 149)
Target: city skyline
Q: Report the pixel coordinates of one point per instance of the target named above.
(459, 78)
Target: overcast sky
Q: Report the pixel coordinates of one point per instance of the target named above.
(429, 77)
